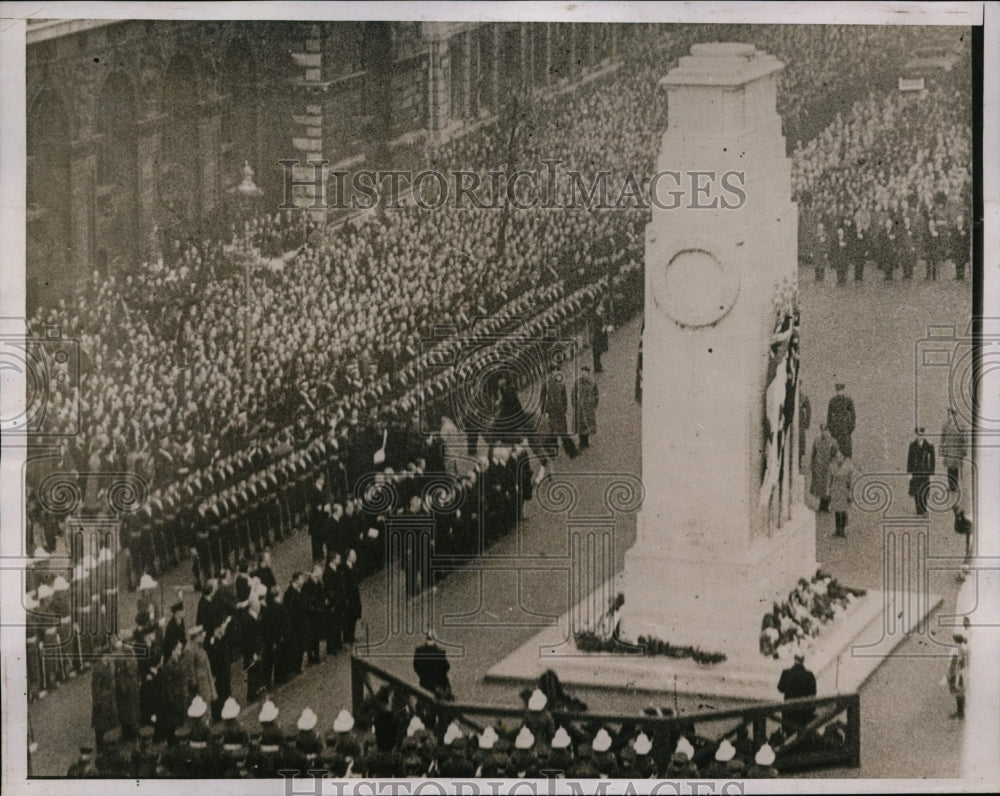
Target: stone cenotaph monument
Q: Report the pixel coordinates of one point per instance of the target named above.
(723, 531)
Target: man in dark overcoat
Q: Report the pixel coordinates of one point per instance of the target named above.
(840, 419)
(797, 682)
(920, 465)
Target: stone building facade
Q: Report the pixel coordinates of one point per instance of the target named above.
(137, 129)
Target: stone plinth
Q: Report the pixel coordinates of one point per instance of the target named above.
(749, 676)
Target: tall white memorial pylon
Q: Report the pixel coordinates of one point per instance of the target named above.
(723, 531)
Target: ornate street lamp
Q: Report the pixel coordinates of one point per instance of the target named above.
(246, 193)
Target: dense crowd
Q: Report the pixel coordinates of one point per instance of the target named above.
(889, 182)
(245, 441)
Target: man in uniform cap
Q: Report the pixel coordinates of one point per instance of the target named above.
(197, 666)
(920, 465)
(175, 632)
(841, 419)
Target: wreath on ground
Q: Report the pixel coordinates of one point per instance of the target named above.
(587, 641)
(810, 605)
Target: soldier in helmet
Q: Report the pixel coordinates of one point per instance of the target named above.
(305, 746)
(232, 739)
(266, 759)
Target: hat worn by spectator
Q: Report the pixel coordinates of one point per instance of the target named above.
(146, 583)
(452, 734)
(60, 584)
(685, 748)
(725, 752)
(538, 700)
(561, 739)
(643, 746)
(602, 741)
(307, 720)
(525, 739)
(344, 722)
(231, 709)
(764, 756)
(198, 708)
(268, 712)
(488, 738)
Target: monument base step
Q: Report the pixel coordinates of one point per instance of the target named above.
(842, 657)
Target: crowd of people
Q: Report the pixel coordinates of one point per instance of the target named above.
(889, 183)
(243, 441)
(395, 733)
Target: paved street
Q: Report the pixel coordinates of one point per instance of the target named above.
(862, 335)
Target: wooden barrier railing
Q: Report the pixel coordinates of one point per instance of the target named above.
(802, 746)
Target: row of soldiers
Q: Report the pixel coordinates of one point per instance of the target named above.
(69, 622)
(221, 516)
(897, 242)
(396, 736)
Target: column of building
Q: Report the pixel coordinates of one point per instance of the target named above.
(308, 88)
